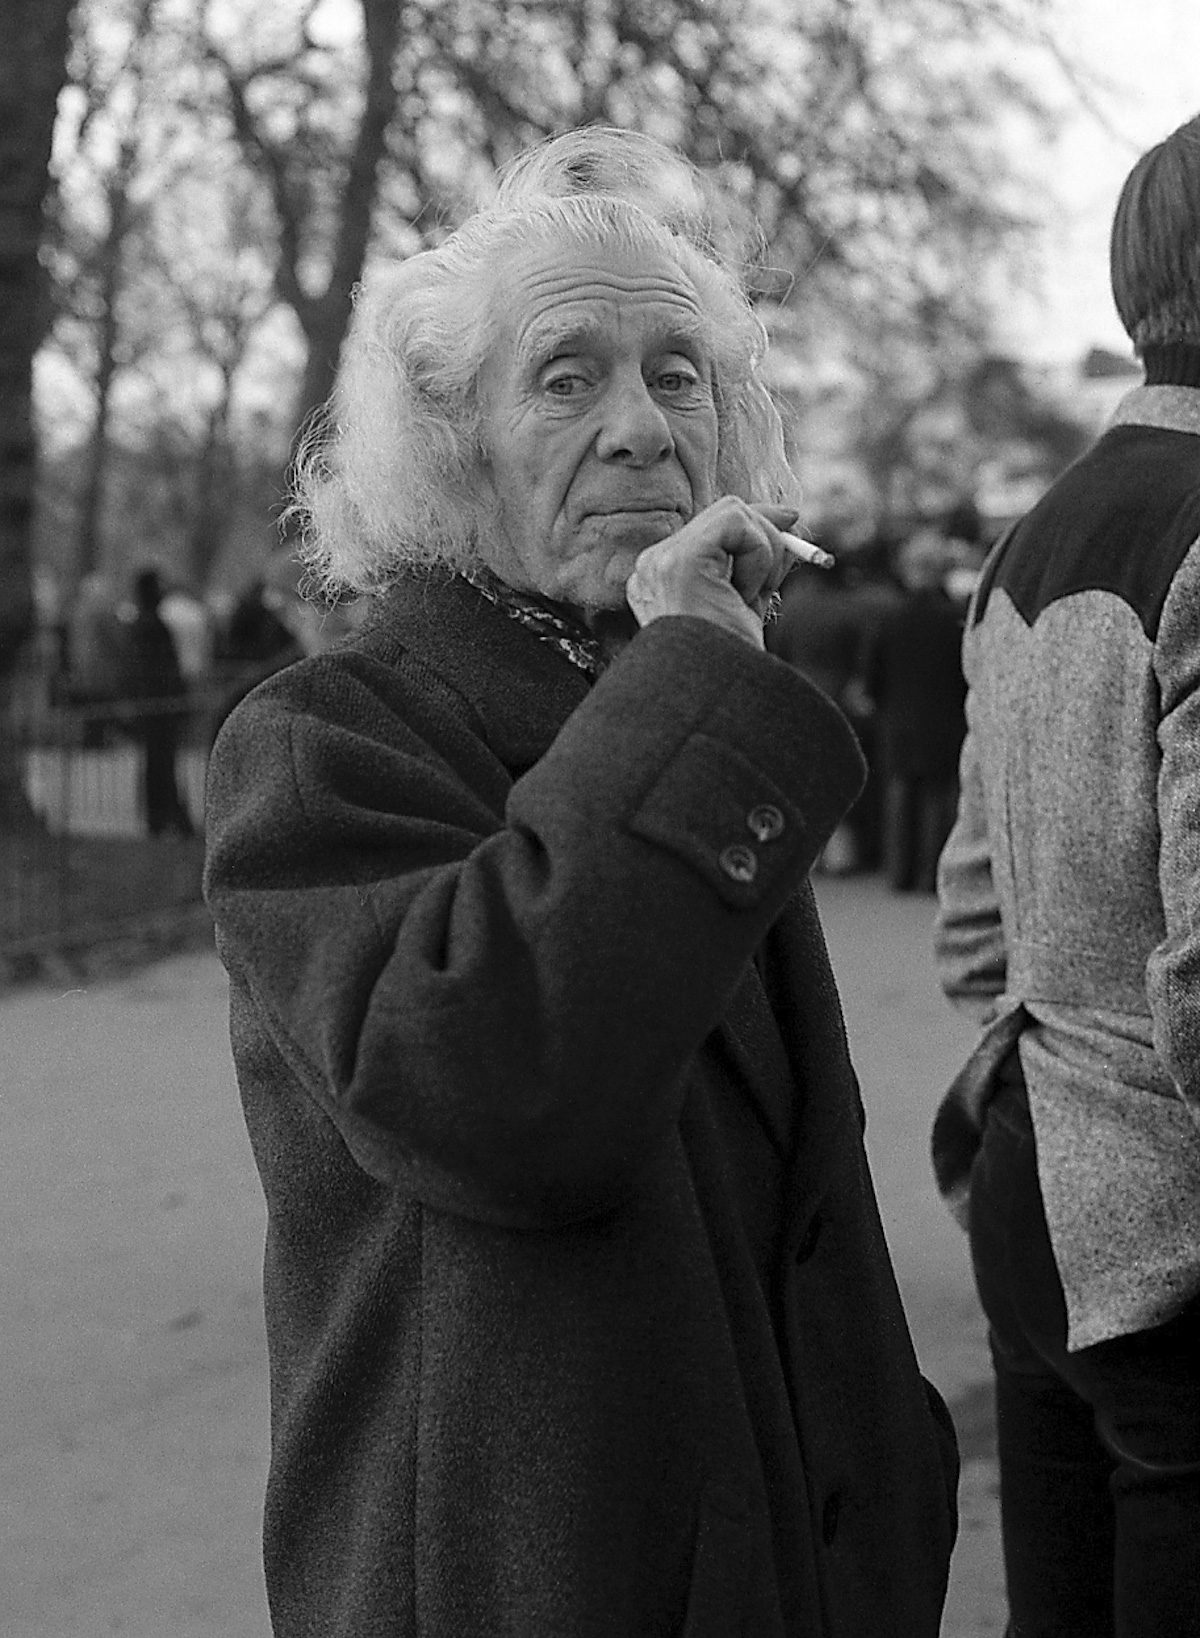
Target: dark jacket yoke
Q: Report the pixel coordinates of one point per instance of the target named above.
(581, 1320)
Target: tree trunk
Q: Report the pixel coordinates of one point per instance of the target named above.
(326, 318)
(112, 265)
(215, 492)
(89, 547)
(32, 72)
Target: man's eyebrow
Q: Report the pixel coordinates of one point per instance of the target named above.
(552, 335)
(548, 336)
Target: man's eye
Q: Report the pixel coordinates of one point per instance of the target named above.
(676, 381)
(563, 386)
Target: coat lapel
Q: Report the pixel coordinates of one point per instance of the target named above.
(521, 689)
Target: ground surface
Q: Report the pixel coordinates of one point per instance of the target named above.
(133, 1413)
(64, 893)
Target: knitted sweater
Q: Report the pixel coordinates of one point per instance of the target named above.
(1071, 882)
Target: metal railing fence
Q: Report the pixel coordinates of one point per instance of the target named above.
(116, 789)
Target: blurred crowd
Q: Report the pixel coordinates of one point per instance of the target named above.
(147, 661)
(880, 633)
(92, 651)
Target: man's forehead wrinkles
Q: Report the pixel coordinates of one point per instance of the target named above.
(561, 310)
(653, 282)
(545, 288)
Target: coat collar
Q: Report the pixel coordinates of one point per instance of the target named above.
(1174, 409)
(519, 687)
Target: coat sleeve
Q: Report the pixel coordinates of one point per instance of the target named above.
(492, 988)
(1173, 969)
(969, 948)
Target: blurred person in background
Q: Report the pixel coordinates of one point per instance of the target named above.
(1069, 924)
(580, 1314)
(873, 594)
(826, 622)
(94, 655)
(257, 639)
(966, 543)
(913, 678)
(817, 631)
(252, 643)
(190, 623)
(156, 694)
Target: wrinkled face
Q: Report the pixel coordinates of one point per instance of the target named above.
(599, 423)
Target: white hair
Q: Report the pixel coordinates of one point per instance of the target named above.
(387, 477)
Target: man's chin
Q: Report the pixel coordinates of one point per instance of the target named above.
(596, 580)
(601, 584)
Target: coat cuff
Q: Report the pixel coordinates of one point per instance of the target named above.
(764, 765)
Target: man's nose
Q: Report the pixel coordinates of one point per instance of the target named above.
(635, 429)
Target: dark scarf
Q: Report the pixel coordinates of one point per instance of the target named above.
(589, 650)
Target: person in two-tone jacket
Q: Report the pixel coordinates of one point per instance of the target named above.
(1069, 921)
(581, 1319)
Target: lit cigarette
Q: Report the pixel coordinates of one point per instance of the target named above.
(806, 550)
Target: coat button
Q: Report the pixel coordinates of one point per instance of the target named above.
(830, 1514)
(739, 861)
(765, 822)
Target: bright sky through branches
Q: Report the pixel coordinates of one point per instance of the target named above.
(1146, 54)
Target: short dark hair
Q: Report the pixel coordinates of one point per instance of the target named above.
(1154, 253)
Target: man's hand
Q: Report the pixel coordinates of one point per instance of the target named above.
(722, 566)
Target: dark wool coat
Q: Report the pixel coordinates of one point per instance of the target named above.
(581, 1320)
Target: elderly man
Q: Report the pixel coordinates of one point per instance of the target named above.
(581, 1319)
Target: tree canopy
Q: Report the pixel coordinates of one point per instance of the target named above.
(226, 170)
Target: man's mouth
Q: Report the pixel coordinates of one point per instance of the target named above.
(636, 508)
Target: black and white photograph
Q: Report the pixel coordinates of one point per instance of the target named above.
(600, 819)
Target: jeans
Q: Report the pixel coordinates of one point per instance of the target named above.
(1099, 1449)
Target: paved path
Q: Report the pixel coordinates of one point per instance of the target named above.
(133, 1408)
(906, 1045)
